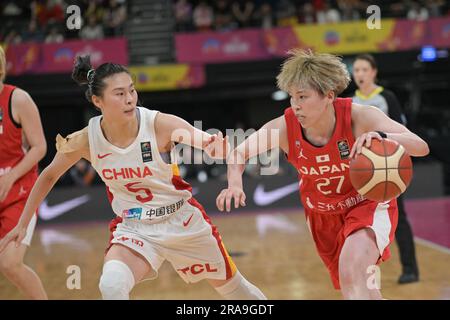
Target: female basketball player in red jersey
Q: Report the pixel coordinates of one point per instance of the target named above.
(318, 133)
(157, 217)
(22, 145)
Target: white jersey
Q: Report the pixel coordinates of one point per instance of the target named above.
(143, 186)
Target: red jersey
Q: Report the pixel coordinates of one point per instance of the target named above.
(12, 150)
(325, 185)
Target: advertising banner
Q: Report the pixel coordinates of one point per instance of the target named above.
(59, 57)
(168, 77)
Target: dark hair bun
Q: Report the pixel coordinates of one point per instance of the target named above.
(81, 68)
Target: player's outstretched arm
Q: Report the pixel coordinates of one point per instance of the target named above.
(272, 135)
(175, 129)
(367, 120)
(45, 182)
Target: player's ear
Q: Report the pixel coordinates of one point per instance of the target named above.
(330, 95)
(96, 101)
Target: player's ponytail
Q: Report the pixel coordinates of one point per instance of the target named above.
(83, 73)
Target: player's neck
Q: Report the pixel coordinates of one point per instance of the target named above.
(367, 90)
(1, 86)
(121, 134)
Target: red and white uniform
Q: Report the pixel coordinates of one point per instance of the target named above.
(12, 151)
(156, 213)
(333, 208)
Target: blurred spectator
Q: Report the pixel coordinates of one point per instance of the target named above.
(203, 16)
(332, 14)
(92, 30)
(307, 14)
(33, 33)
(264, 17)
(242, 11)
(183, 15)
(224, 20)
(286, 13)
(349, 10)
(435, 7)
(417, 12)
(54, 36)
(94, 9)
(114, 18)
(12, 37)
(319, 9)
(51, 12)
(11, 9)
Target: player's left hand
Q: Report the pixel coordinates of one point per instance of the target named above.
(364, 140)
(6, 182)
(217, 147)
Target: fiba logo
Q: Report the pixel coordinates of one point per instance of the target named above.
(374, 20)
(73, 21)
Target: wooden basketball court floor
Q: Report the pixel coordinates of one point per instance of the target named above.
(273, 249)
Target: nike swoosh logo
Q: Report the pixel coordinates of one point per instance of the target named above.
(47, 212)
(188, 220)
(263, 198)
(103, 156)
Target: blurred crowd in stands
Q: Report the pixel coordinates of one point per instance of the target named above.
(224, 15)
(45, 20)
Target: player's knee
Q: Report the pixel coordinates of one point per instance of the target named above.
(116, 281)
(239, 288)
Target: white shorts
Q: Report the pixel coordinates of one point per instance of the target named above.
(188, 240)
(30, 230)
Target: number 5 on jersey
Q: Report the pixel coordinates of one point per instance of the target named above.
(145, 193)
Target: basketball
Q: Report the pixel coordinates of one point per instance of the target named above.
(381, 172)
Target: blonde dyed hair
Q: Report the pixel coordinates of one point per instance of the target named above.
(321, 72)
(2, 64)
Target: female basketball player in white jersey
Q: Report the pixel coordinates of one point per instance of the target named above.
(157, 217)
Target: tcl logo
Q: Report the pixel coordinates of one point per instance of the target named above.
(133, 241)
(198, 268)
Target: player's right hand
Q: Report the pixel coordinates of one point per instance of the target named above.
(224, 198)
(17, 235)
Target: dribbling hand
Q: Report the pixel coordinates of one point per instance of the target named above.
(364, 140)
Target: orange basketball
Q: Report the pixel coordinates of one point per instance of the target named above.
(382, 172)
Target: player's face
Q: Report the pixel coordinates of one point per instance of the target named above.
(309, 105)
(363, 73)
(119, 97)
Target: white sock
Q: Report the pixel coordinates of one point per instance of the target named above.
(238, 288)
(116, 281)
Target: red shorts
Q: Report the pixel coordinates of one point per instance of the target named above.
(329, 231)
(12, 207)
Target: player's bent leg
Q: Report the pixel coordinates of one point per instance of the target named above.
(237, 288)
(22, 276)
(359, 253)
(122, 269)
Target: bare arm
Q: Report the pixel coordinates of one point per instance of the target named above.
(47, 179)
(25, 113)
(171, 128)
(368, 119)
(272, 135)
